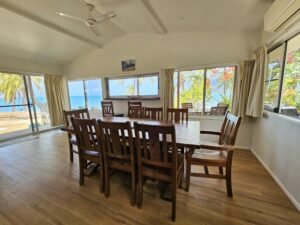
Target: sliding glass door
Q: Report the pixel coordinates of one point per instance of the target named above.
(23, 105)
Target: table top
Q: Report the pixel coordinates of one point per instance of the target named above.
(187, 133)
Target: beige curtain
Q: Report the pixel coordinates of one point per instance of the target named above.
(242, 88)
(168, 87)
(56, 97)
(256, 95)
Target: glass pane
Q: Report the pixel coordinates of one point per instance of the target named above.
(14, 112)
(290, 101)
(219, 87)
(148, 85)
(76, 94)
(40, 100)
(275, 59)
(191, 89)
(94, 97)
(122, 87)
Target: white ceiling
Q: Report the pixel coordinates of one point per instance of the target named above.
(30, 29)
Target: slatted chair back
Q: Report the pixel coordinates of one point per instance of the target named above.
(134, 104)
(107, 108)
(87, 134)
(187, 105)
(154, 113)
(77, 113)
(156, 145)
(229, 129)
(136, 112)
(117, 139)
(177, 115)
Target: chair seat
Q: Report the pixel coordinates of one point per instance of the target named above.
(209, 156)
(91, 153)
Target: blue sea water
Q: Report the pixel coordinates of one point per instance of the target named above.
(75, 101)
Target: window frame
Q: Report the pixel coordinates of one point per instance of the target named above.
(84, 91)
(133, 97)
(283, 43)
(205, 68)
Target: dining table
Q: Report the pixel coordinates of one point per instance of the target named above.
(187, 133)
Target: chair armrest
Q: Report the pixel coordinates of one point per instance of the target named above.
(217, 147)
(210, 132)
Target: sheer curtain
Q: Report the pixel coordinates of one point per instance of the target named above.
(56, 97)
(242, 88)
(255, 100)
(249, 86)
(167, 75)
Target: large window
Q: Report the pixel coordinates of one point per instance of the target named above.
(23, 105)
(86, 94)
(282, 93)
(141, 86)
(204, 88)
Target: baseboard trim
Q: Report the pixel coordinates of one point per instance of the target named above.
(283, 188)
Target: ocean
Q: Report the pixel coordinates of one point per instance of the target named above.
(94, 102)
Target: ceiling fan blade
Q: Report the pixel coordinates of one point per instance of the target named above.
(105, 17)
(96, 31)
(70, 16)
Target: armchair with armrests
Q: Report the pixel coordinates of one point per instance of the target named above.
(222, 153)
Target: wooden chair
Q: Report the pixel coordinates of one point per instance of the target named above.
(133, 104)
(187, 105)
(107, 108)
(177, 115)
(89, 146)
(118, 152)
(154, 113)
(216, 155)
(220, 109)
(158, 158)
(77, 113)
(136, 112)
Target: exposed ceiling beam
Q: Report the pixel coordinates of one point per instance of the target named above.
(114, 21)
(154, 17)
(47, 24)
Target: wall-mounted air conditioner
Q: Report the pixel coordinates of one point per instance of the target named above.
(282, 14)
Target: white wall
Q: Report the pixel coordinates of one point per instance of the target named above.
(276, 141)
(154, 52)
(22, 65)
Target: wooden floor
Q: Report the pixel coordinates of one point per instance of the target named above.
(38, 185)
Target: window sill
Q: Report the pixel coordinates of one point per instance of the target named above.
(133, 98)
(205, 117)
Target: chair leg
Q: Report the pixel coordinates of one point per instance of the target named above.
(221, 170)
(188, 173)
(140, 193)
(133, 189)
(174, 202)
(101, 186)
(107, 182)
(81, 171)
(229, 186)
(71, 151)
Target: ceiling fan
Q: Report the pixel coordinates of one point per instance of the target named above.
(90, 21)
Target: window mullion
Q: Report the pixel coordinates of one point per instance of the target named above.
(281, 76)
(204, 92)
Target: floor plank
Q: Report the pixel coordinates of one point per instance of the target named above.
(38, 185)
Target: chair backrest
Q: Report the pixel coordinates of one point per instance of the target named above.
(187, 105)
(76, 113)
(87, 134)
(117, 139)
(136, 112)
(156, 145)
(107, 108)
(154, 113)
(218, 110)
(133, 104)
(229, 129)
(178, 115)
